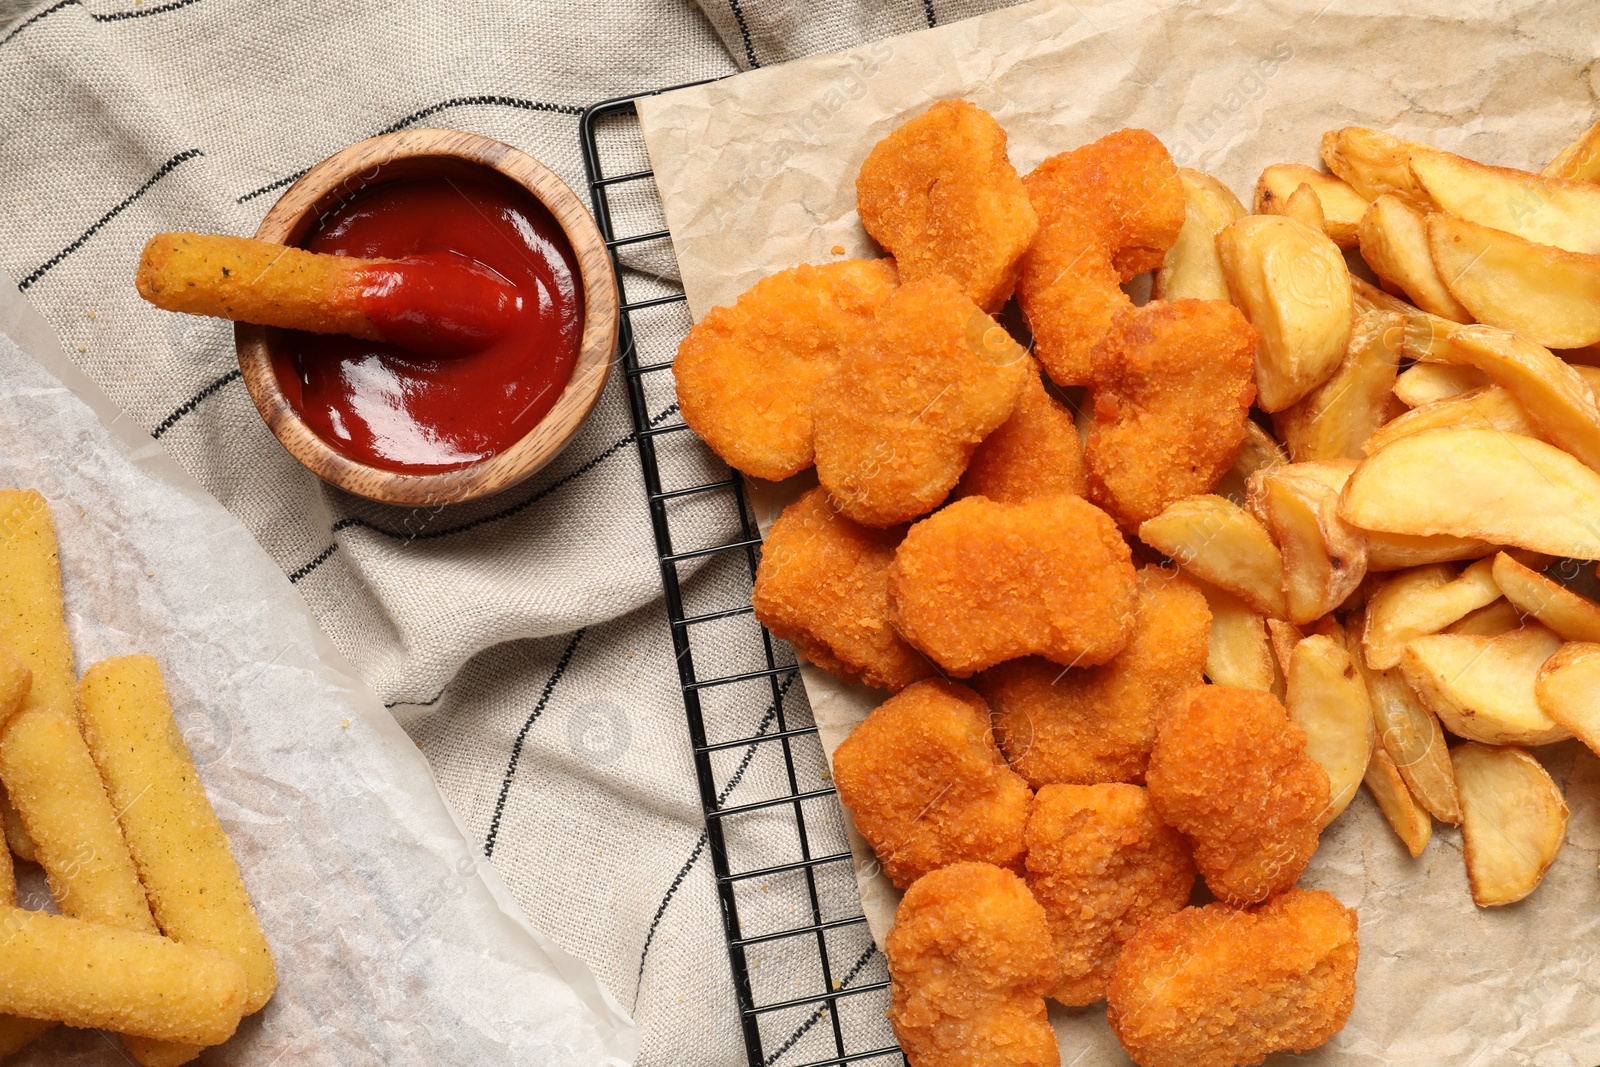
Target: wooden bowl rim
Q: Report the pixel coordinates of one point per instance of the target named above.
(360, 165)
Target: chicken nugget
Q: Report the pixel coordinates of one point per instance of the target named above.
(1220, 986)
(1100, 863)
(823, 586)
(747, 374)
(898, 422)
(926, 786)
(1036, 452)
(1173, 384)
(1231, 772)
(1097, 724)
(941, 196)
(1107, 211)
(982, 582)
(970, 961)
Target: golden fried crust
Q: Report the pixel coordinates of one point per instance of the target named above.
(1219, 986)
(927, 787)
(823, 586)
(1107, 211)
(1173, 385)
(1036, 452)
(747, 374)
(1097, 724)
(941, 196)
(981, 582)
(970, 960)
(1231, 772)
(1100, 863)
(897, 424)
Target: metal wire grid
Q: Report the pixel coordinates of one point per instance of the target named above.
(812, 989)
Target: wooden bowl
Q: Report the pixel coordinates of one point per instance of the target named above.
(430, 153)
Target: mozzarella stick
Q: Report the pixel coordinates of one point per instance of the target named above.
(16, 837)
(184, 859)
(15, 680)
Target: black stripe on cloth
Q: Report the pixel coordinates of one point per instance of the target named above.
(434, 109)
(927, 9)
(193, 402)
(31, 19)
(744, 32)
(817, 1015)
(522, 734)
(115, 16)
(322, 557)
(161, 172)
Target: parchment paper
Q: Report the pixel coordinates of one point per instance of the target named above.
(757, 173)
(396, 942)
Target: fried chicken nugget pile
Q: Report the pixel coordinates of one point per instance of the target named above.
(981, 582)
(747, 374)
(1173, 384)
(1100, 863)
(926, 785)
(941, 196)
(1097, 724)
(1036, 452)
(1220, 986)
(1230, 771)
(898, 422)
(970, 961)
(823, 586)
(1107, 212)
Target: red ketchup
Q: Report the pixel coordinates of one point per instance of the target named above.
(486, 310)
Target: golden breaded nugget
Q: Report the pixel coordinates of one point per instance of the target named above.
(196, 892)
(981, 582)
(926, 786)
(1100, 863)
(940, 195)
(1036, 452)
(1230, 770)
(823, 586)
(1225, 987)
(747, 374)
(1107, 211)
(970, 960)
(1085, 725)
(898, 422)
(1173, 385)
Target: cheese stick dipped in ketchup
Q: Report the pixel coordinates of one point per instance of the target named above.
(437, 304)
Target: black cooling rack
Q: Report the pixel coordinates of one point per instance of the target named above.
(784, 875)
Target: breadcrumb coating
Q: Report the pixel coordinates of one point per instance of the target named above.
(1036, 452)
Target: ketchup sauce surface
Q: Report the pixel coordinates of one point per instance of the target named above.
(439, 403)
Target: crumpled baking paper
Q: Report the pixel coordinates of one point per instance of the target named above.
(396, 942)
(757, 173)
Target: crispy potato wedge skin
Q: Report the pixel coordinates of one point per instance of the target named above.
(1546, 210)
(1410, 735)
(1419, 602)
(1426, 336)
(1556, 397)
(1501, 617)
(1488, 407)
(1219, 542)
(1546, 294)
(1483, 688)
(1410, 820)
(1514, 821)
(1497, 487)
(1568, 689)
(1374, 163)
(1292, 284)
(1572, 616)
(1394, 242)
(1324, 557)
(1342, 207)
(1580, 160)
(1333, 420)
(1427, 383)
(1329, 700)
(1239, 654)
(1192, 268)
(1397, 552)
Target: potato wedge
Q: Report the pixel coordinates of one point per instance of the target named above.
(1397, 552)
(1548, 211)
(1501, 617)
(1411, 821)
(1374, 163)
(1486, 408)
(1580, 160)
(1191, 268)
(1426, 336)
(1428, 383)
(1555, 396)
(1324, 557)
(1259, 450)
(1301, 205)
(1568, 689)
(1514, 821)
(1394, 243)
(1482, 688)
(1548, 295)
(1327, 697)
(1412, 738)
(1333, 420)
(1291, 282)
(1573, 617)
(1219, 542)
(1283, 636)
(1502, 488)
(1238, 654)
(1342, 207)
(1419, 602)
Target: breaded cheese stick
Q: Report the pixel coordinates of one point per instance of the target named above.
(15, 681)
(16, 837)
(184, 859)
(92, 975)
